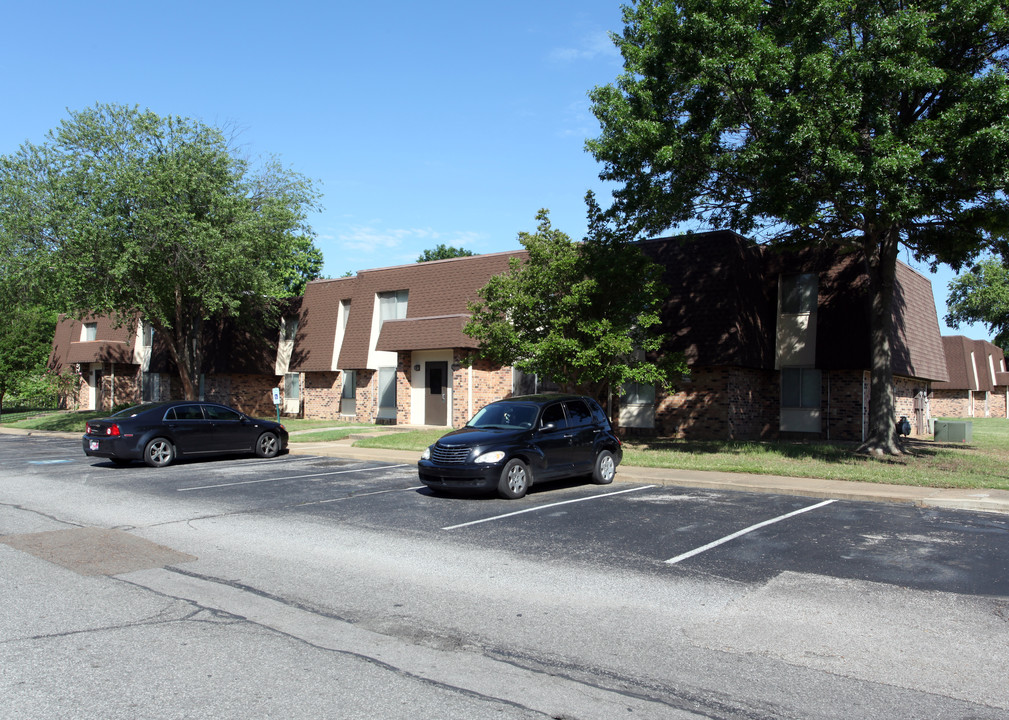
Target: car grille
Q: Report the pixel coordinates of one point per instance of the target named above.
(450, 454)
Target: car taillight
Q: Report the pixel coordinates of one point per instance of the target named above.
(112, 430)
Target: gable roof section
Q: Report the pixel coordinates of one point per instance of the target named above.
(111, 343)
(439, 293)
(316, 336)
(916, 340)
(970, 364)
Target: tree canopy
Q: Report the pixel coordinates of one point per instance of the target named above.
(127, 213)
(982, 295)
(443, 252)
(581, 314)
(861, 125)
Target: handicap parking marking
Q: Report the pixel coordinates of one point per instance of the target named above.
(744, 531)
(290, 477)
(545, 507)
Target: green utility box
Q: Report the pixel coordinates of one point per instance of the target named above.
(960, 431)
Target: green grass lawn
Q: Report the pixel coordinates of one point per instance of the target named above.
(982, 464)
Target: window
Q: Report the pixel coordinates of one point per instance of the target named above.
(148, 335)
(292, 386)
(392, 305)
(554, 415)
(290, 328)
(89, 333)
(638, 394)
(221, 414)
(800, 388)
(349, 385)
(387, 387)
(579, 412)
(798, 294)
(185, 412)
(348, 395)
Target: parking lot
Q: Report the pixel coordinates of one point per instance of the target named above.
(736, 536)
(681, 598)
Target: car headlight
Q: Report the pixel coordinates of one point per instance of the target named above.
(491, 457)
(426, 455)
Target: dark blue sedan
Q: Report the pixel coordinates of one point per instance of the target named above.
(158, 433)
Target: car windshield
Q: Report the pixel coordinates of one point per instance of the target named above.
(505, 416)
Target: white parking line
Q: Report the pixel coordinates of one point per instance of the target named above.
(733, 536)
(290, 477)
(545, 507)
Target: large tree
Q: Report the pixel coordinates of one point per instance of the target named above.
(126, 213)
(863, 125)
(581, 314)
(982, 295)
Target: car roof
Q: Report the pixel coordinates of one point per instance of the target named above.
(543, 398)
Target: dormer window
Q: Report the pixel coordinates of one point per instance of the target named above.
(392, 305)
(798, 294)
(89, 332)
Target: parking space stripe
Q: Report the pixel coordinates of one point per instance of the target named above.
(545, 507)
(733, 536)
(290, 477)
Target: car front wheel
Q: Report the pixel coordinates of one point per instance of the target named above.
(268, 445)
(604, 469)
(159, 452)
(515, 480)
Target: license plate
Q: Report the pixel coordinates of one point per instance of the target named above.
(94, 444)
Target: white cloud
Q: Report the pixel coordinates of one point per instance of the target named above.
(598, 44)
(368, 239)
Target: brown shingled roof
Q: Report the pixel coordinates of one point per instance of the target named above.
(431, 333)
(111, 343)
(970, 364)
(436, 289)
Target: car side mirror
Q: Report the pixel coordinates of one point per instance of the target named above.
(548, 426)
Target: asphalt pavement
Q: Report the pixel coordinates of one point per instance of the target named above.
(978, 499)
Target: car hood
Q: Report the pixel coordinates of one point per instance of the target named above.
(480, 437)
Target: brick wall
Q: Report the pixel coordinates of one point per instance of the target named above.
(997, 402)
(950, 403)
(753, 404)
(490, 382)
(699, 408)
(367, 396)
(842, 403)
(320, 394)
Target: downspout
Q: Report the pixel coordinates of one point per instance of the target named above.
(112, 390)
(470, 394)
(828, 406)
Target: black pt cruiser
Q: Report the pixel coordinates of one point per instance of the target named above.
(509, 444)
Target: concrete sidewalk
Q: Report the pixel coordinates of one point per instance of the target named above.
(951, 498)
(957, 499)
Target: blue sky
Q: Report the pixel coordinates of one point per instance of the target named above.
(421, 123)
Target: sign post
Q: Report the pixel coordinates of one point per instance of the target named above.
(276, 401)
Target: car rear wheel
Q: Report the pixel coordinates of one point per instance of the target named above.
(604, 469)
(159, 452)
(515, 480)
(268, 445)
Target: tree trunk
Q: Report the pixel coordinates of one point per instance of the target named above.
(881, 258)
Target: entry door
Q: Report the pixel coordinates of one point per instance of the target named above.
(436, 398)
(97, 401)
